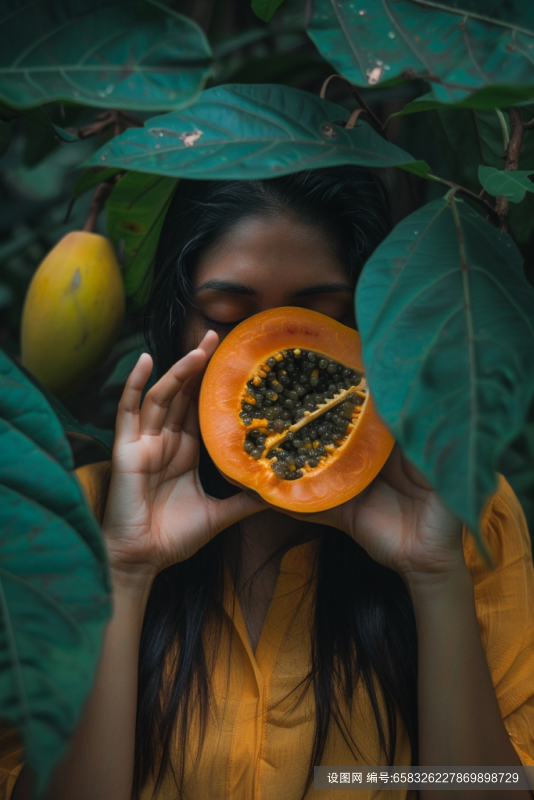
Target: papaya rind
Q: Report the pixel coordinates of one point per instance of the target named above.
(338, 478)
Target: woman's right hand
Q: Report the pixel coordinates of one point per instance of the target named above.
(157, 512)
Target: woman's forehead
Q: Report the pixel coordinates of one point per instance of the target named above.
(264, 250)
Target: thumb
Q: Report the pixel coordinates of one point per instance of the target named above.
(234, 509)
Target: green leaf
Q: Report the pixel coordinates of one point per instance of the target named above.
(54, 586)
(248, 131)
(460, 49)
(68, 421)
(136, 211)
(90, 178)
(124, 366)
(447, 324)
(486, 99)
(468, 138)
(512, 184)
(420, 168)
(135, 54)
(264, 9)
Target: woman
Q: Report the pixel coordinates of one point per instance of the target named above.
(250, 643)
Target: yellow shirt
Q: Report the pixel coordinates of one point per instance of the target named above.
(258, 742)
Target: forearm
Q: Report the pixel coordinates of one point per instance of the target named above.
(460, 723)
(100, 763)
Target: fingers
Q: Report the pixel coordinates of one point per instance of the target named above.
(174, 389)
(209, 343)
(403, 476)
(127, 425)
(233, 509)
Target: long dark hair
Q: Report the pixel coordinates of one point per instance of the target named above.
(364, 625)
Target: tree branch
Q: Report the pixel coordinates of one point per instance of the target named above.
(119, 120)
(355, 93)
(457, 188)
(511, 158)
(100, 195)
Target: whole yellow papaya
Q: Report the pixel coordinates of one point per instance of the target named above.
(73, 312)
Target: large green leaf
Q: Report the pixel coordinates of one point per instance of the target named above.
(246, 131)
(135, 54)
(512, 184)
(136, 210)
(54, 586)
(447, 323)
(68, 421)
(461, 47)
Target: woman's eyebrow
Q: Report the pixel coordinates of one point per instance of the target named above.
(323, 288)
(227, 286)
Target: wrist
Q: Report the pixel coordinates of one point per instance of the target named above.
(135, 581)
(438, 583)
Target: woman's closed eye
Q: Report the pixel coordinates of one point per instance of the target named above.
(224, 327)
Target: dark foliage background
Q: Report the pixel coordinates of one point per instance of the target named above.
(449, 86)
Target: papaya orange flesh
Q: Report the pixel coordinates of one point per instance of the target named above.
(285, 410)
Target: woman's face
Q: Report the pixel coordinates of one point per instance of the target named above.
(266, 262)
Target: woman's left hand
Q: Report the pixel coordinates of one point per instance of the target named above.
(401, 522)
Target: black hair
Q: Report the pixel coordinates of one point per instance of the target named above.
(348, 204)
(364, 625)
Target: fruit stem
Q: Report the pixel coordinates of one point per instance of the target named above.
(100, 195)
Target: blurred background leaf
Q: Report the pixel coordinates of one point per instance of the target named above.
(136, 54)
(264, 9)
(136, 211)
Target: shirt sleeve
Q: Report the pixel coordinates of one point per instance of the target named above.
(95, 481)
(504, 598)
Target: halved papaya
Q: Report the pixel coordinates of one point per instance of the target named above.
(285, 410)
